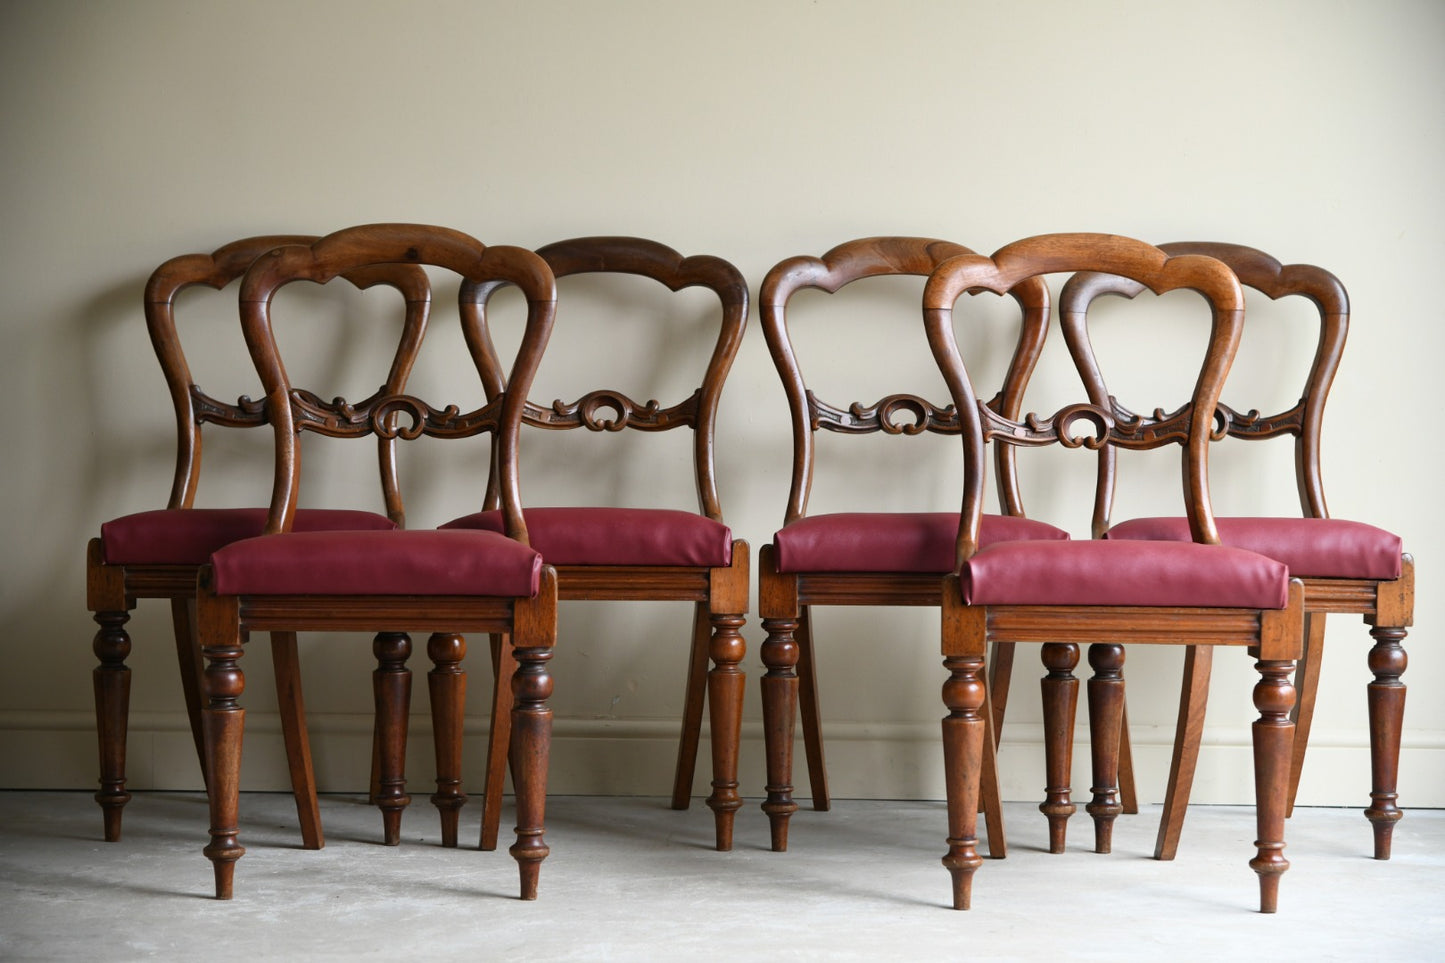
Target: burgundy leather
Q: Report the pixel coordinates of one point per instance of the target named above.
(892, 542)
(419, 562)
(1311, 547)
(189, 536)
(1124, 573)
(617, 536)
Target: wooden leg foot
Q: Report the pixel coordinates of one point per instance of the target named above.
(1060, 691)
(1273, 735)
(725, 683)
(530, 752)
(1106, 712)
(964, 733)
(112, 710)
(1387, 713)
(447, 683)
(780, 708)
(391, 686)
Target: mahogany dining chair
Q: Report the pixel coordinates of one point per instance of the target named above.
(1107, 594)
(868, 557)
(157, 554)
(390, 582)
(611, 553)
(1346, 566)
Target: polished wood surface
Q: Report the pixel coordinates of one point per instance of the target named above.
(1273, 637)
(1303, 422)
(529, 622)
(114, 589)
(786, 599)
(719, 594)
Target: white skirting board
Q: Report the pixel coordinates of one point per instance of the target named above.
(57, 750)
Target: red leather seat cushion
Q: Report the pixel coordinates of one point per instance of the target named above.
(378, 563)
(1124, 573)
(1311, 547)
(189, 536)
(617, 536)
(893, 541)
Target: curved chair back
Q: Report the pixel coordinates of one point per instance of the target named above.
(607, 409)
(384, 414)
(1047, 254)
(1257, 270)
(194, 407)
(902, 413)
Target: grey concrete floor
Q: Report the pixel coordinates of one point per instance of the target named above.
(629, 879)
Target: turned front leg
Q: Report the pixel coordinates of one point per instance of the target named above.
(1060, 692)
(780, 709)
(531, 747)
(1273, 732)
(1386, 697)
(725, 684)
(391, 686)
(112, 710)
(447, 683)
(964, 731)
(222, 723)
(1106, 715)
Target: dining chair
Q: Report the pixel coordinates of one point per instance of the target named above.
(608, 553)
(389, 582)
(868, 557)
(157, 554)
(1106, 593)
(1346, 566)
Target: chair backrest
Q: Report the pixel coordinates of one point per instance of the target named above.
(1257, 270)
(607, 409)
(389, 413)
(1157, 270)
(895, 414)
(194, 407)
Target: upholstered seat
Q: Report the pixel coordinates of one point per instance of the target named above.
(1311, 547)
(1124, 573)
(617, 536)
(891, 541)
(417, 562)
(172, 536)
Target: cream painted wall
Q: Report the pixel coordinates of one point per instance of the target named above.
(753, 130)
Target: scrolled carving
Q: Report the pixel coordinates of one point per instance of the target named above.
(378, 415)
(1252, 424)
(448, 422)
(607, 410)
(1058, 428)
(900, 414)
(1160, 427)
(245, 413)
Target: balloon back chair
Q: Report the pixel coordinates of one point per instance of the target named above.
(157, 554)
(392, 582)
(640, 553)
(869, 557)
(1105, 593)
(1346, 566)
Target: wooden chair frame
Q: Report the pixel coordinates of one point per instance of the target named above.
(225, 620)
(719, 593)
(112, 588)
(1386, 605)
(1272, 636)
(785, 599)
